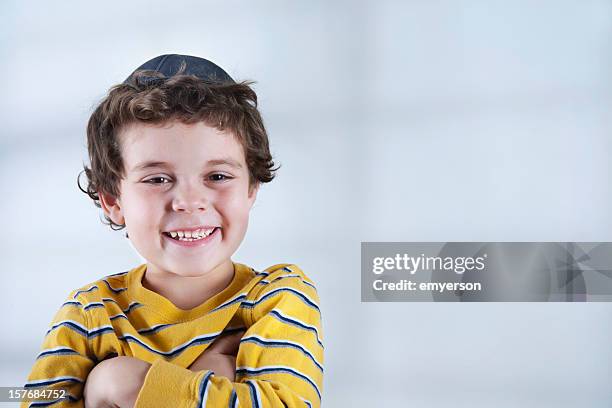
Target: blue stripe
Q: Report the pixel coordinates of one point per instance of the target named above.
(309, 284)
(254, 396)
(265, 281)
(130, 307)
(147, 330)
(93, 305)
(116, 274)
(203, 390)
(230, 302)
(117, 290)
(71, 303)
(158, 327)
(72, 325)
(304, 298)
(100, 331)
(154, 329)
(295, 292)
(83, 331)
(60, 351)
(51, 381)
(84, 291)
(194, 342)
(267, 370)
(297, 323)
(119, 316)
(276, 343)
(233, 399)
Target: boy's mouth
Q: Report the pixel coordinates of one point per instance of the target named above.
(191, 235)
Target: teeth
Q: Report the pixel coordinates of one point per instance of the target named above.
(191, 235)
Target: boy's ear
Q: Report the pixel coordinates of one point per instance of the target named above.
(111, 207)
(253, 194)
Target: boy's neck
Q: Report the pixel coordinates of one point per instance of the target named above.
(188, 292)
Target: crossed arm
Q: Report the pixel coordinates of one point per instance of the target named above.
(116, 382)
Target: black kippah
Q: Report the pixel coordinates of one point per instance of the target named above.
(169, 65)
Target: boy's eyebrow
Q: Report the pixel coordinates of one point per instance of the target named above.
(230, 162)
(154, 163)
(150, 164)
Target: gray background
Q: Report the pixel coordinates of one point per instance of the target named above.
(393, 121)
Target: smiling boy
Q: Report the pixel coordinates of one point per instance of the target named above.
(178, 152)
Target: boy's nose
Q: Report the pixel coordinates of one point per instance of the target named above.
(189, 199)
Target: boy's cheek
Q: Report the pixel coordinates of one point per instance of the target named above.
(141, 219)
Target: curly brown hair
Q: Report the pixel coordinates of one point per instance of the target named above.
(151, 98)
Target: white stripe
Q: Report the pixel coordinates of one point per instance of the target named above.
(237, 401)
(308, 403)
(300, 322)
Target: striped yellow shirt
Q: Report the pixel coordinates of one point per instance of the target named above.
(279, 361)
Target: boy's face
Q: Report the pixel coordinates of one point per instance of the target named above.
(181, 177)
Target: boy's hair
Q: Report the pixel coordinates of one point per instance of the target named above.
(150, 97)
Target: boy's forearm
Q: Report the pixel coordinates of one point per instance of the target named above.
(118, 381)
(115, 382)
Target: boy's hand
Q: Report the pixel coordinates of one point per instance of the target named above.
(115, 383)
(220, 356)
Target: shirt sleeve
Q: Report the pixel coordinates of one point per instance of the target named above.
(279, 361)
(65, 359)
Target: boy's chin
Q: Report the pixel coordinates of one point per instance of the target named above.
(196, 270)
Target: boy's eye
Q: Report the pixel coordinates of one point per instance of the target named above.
(157, 180)
(218, 177)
